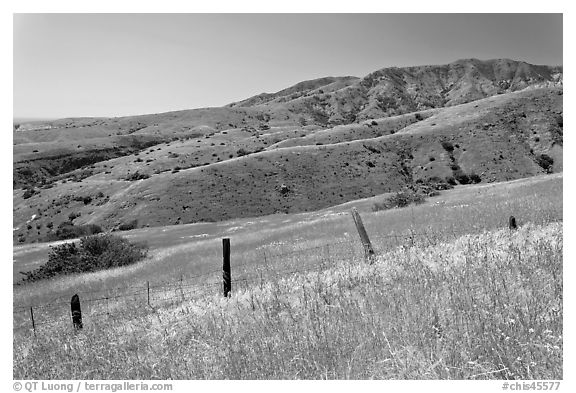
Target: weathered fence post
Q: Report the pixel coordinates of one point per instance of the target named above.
(32, 318)
(226, 276)
(512, 223)
(369, 253)
(148, 292)
(76, 312)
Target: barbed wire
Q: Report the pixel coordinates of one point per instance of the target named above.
(273, 272)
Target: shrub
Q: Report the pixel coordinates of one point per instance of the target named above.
(372, 149)
(96, 252)
(67, 230)
(450, 180)
(29, 192)
(137, 176)
(447, 146)
(545, 161)
(474, 178)
(87, 200)
(242, 152)
(461, 177)
(399, 199)
(127, 226)
(435, 183)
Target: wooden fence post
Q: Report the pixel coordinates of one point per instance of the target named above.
(512, 223)
(368, 250)
(76, 312)
(226, 275)
(148, 292)
(32, 318)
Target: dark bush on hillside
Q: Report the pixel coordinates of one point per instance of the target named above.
(93, 253)
(418, 117)
(29, 192)
(447, 146)
(67, 230)
(87, 200)
(242, 152)
(461, 177)
(474, 178)
(137, 176)
(399, 199)
(438, 184)
(545, 161)
(450, 180)
(127, 226)
(372, 149)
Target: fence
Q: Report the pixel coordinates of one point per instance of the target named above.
(117, 302)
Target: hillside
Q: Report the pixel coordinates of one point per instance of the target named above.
(394, 91)
(451, 260)
(314, 145)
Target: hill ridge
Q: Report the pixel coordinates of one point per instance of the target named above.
(365, 136)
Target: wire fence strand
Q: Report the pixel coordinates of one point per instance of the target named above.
(274, 266)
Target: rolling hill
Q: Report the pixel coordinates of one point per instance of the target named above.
(313, 145)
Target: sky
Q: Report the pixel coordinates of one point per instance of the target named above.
(72, 65)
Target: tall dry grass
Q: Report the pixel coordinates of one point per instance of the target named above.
(486, 305)
(176, 252)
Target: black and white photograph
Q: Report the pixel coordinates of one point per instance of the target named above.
(287, 196)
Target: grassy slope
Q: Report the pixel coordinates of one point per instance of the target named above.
(497, 138)
(496, 295)
(195, 248)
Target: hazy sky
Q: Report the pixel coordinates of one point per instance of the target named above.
(121, 64)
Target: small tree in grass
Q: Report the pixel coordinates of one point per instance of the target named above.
(92, 253)
(399, 199)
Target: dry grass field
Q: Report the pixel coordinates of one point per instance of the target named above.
(453, 295)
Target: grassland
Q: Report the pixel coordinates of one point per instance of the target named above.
(452, 295)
